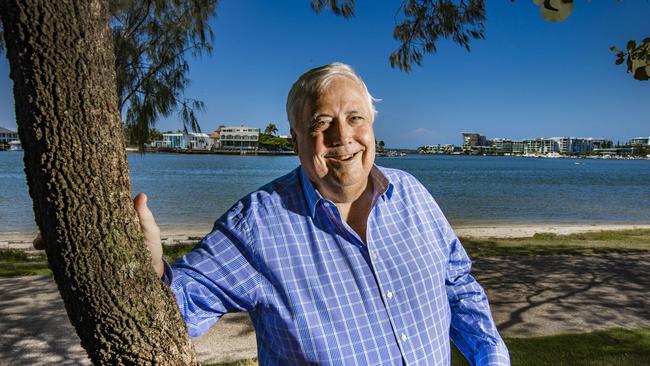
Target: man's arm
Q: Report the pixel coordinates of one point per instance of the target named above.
(472, 327)
(215, 278)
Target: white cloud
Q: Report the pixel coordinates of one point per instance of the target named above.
(421, 131)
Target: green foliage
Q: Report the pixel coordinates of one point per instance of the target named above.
(426, 21)
(636, 58)
(345, 8)
(172, 253)
(14, 262)
(150, 40)
(13, 255)
(271, 129)
(269, 140)
(154, 135)
(273, 142)
(132, 136)
(603, 242)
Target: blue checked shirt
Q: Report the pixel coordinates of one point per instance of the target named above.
(317, 294)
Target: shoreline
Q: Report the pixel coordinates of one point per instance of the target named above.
(189, 234)
(524, 230)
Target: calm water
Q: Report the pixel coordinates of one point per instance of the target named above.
(196, 189)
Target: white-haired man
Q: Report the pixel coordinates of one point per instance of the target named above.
(339, 262)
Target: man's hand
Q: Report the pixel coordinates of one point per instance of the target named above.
(151, 232)
(39, 243)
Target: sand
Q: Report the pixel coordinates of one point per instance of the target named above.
(171, 235)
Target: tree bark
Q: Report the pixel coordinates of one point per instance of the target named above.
(62, 67)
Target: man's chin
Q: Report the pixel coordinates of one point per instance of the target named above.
(349, 177)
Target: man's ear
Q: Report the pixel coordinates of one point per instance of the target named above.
(295, 140)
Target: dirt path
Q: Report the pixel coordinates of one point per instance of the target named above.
(529, 295)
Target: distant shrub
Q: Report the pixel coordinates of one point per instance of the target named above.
(545, 236)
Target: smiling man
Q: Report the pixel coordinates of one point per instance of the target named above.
(339, 262)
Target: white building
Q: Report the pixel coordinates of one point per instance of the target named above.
(541, 146)
(15, 146)
(174, 140)
(197, 141)
(577, 145)
(637, 141)
(502, 146)
(6, 136)
(242, 137)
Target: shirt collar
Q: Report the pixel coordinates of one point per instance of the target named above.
(382, 188)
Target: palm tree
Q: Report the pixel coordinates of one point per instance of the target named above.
(271, 129)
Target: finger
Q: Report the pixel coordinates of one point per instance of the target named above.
(147, 221)
(38, 242)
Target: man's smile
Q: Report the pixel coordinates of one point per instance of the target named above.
(342, 157)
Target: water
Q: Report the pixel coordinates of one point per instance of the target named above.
(193, 190)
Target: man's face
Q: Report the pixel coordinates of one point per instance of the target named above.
(334, 138)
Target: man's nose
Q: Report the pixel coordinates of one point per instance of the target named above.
(339, 133)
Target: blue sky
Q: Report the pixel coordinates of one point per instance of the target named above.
(528, 78)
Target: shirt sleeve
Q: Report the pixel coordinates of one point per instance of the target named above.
(472, 328)
(216, 277)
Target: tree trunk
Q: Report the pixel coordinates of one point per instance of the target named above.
(62, 66)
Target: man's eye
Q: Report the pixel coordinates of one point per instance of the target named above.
(356, 119)
(318, 125)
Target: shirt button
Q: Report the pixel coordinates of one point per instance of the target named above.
(404, 337)
(389, 294)
(327, 204)
(373, 254)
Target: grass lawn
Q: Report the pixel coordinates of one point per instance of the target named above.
(615, 347)
(14, 262)
(602, 242)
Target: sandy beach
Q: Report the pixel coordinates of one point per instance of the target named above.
(172, 235)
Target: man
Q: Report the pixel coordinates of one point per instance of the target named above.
(339, 262)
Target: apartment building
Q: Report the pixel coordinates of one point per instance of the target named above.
(245, 138)
(639, 141)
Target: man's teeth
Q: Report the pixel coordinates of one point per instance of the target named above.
(342, 157)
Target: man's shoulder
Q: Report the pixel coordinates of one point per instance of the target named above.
(399, 178)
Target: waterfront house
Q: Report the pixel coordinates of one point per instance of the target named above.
(174, 140)
(6, 136)
(158, 144)
(215, 137)
(240, 138)
(197, 141)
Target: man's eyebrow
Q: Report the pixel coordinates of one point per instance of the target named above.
(317, 115)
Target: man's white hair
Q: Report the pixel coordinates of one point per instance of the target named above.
(314, 82)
